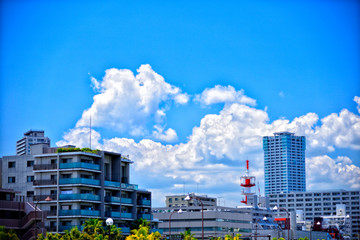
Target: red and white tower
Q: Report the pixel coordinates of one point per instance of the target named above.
(247, 182)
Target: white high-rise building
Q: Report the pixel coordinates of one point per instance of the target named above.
(30, 137)
(284, 156)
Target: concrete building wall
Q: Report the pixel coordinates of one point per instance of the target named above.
(218, 221)
(321, 203)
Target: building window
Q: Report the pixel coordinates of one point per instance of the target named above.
(11, 179)
(30, 193)
(11, 164)
(30, 163)
(30, 178)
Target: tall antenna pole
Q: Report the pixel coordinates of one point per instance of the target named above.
(90, 131)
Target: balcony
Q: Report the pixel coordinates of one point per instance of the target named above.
(129, 186)
(111, 184)
(126, 215)
(144, 202)
(45, 167)
(79, 165)
(12, 206)
(51, 213)
(125, 229)
(87, 181)
(112, 199)
(69, 227)
(44, 182)
(44, 197)
(112, 214)
(77, 212)
(145, 216)
(126, 200)
(84, 196)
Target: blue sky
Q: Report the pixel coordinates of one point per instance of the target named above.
(256, 63)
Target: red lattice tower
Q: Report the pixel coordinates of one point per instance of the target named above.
(247, 182)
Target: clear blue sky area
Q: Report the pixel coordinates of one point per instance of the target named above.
(293, 57)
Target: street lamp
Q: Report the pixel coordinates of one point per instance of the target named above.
(109, 222)
(256, 223)
(188, 198)
(180, 212)
(288, 217)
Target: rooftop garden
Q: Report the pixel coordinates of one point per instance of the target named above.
(89, 150)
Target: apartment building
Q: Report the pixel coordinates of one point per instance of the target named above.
(73, 185)
(320, 203)
(30, 137)
(284, 162)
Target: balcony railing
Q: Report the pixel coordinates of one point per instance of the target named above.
(44, 182)
(10, 205)
(81, 212)
(112, 214)
(144, 202)
(126, 200)
(112, 199)
(84, 196)
(44, 197)
(79, 165)
(126, 215)
(45, 166)
(69, 227)
(79, 181)
(51, 213)
(145, 216)
(111, 184)
(125, 229)
(129, 186)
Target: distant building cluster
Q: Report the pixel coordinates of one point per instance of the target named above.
(64, 187)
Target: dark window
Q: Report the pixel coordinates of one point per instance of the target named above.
(30, 163)
(11, 179)
(30, 178)
(30, 193)
(11, 164)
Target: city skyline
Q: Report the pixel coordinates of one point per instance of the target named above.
(188, 91)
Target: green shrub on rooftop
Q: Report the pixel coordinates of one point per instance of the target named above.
(89, 150)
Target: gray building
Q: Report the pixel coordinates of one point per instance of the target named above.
(179, 200)
(30, 137)
(284, 162)
(321, 203)
(218, 221)
(72, 186)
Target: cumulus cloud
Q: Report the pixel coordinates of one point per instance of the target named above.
(168, 136)
(215, 152)
(222, 94)
(324, 172)
(357, 100)
(128, 102)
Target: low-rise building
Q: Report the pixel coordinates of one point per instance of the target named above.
(320, 204)
(218, 221)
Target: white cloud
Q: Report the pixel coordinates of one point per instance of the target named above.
(281, 94)
(222, 94)
(214, 154)
(323, 172)
(168, 136)
(357, 100)
(128, 103)
(94, 83)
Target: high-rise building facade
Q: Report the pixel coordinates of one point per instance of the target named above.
(284, 161)
(30, 137)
